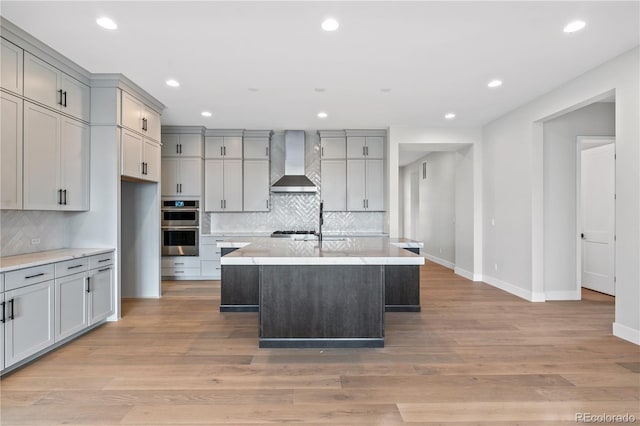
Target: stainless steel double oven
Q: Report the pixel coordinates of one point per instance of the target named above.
(180, 227)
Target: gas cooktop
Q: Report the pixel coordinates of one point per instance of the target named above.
(295, 235)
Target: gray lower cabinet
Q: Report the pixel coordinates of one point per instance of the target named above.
(100, 294)
(71, 305)
(36, 316)
(29, 324)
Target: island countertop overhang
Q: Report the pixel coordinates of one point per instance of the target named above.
(342, 251)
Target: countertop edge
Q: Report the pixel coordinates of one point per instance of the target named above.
(46, 257)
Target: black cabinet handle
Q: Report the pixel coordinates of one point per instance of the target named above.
(180, 187)
(180, 148)
(221, 154)
(64, 191)
(12, 314)
(3, 316)
(88, 284)
(103, 269)
(177, 148)
(34, 276)
(65, 99)
(224, 148)
(74, 267)
(103, 260)
(177, 188)
(60, 196)
(144, 124)
(363, 152)
(60, 99)
(267, 151)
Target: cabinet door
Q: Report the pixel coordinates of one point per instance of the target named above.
(170, 145)
(131, 154)
(256, 148)
(71, 314)
(152, 158)
(356, 185)
(76, 98)
(190, 176)
(32, 326)
(170, 179)
(100, 294)
(232, 185)
(333, 148)
(11, 68)
(131, 112)
(375, 147)
(256, 185)
(213, 177)
(213, 146)
(41, 81)
(334, 184)
(74, 164)
(191, 145)
(152, 125)
(375, 185)
(2, 303)
(41, 158)
(355, 147)
(10, 151)
(233, 147)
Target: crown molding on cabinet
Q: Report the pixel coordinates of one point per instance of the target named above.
(26, 41)
(331, 133)
(200, 130)
(258, 133)
(372, 132)
(121, 81)
(224, 132)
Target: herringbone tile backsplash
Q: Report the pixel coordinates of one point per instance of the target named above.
(294, 211)
(18, 228)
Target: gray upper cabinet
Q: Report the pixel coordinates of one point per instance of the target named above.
(181, 145)
(11, 67)
(47, 85)
(256, 148)
(10, 152)
(140, 118)
(364, 147)
(332, 148)
(216, 147)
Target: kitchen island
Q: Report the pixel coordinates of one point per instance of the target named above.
(328, 293)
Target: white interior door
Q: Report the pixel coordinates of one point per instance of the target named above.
(598, 218)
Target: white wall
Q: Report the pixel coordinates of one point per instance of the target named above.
(513, 187)
(559, 175)
(444, 206)
(464, 208)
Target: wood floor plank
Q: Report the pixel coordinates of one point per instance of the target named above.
(474, 356)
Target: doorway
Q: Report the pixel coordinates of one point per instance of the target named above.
(596, 213)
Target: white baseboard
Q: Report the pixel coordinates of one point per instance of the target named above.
(563, 295)
(627, 333)
(463, 273)
(439, 261)
(513, 289)
(477, 277)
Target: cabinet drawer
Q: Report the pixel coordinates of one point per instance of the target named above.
(211, 268)
(72, 266)
(101, 260)
(210, 252)
(181, 272)
(181, 262)
(206, 240)
(28, 276)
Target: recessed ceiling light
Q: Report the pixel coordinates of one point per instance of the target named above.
(205, 114)
(172, 83)
(450, 116)
(574, 26)
(319, 89)
(107, 23)
(322, 115)
(330, 24)
(495, 83)
(254, 89)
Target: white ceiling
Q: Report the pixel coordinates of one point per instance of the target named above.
(436, 57)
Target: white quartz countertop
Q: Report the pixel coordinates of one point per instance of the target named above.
(21, 261)
(330, 251)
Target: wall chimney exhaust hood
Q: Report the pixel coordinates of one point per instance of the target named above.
(294, 180)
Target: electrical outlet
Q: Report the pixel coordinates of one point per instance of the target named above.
(35, 241)
(495, 267)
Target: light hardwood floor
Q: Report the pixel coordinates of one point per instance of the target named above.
(474, 355)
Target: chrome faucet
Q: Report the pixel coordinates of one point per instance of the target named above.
(321, 221)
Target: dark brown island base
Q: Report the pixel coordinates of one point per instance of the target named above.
(320, 294)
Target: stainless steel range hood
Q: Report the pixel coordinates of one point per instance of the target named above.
(294, 179)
